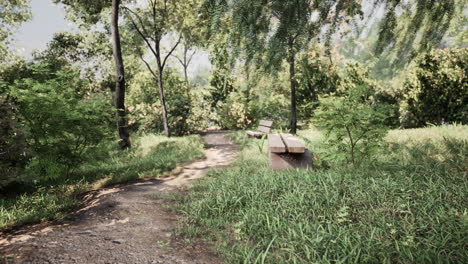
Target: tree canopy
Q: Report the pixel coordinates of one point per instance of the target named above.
(12, 13)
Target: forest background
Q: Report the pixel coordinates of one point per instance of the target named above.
(381, 64)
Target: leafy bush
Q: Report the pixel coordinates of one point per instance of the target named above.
(200, 111)
(274, 107)
(64, 127)
(353, 124)
(232, 114)
(13, 150)
(183, 107)
(315, 77)
(358, 74)
(435, 90)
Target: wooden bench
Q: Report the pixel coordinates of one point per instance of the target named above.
(264, 128)
(286, 151)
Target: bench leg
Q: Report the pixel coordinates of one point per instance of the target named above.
(280, 161)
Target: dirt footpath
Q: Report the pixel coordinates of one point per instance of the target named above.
(122, 224)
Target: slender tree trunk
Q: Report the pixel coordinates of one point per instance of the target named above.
(119, 99)
(185, 65)
(167, 131)
(186, 75)
(292, 73)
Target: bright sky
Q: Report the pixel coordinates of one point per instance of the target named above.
(47, 19)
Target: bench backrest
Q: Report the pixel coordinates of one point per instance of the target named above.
(265, 126)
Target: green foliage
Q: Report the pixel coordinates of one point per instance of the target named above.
(39, 206)
(151, 156)
(13, 150)
(221, 86)
(357, 74)
(187, 111)
(200, 111)
(233, 113)
(413, 27)
(315, 77)
(251, 30)
(435, 90)
(221, 81)
(12, 13)
(407, 206)
(85, 12)
(90, 50)
(63, 126)
(353, 123)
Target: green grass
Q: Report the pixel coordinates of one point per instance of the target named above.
(408, 205)
(151, 156)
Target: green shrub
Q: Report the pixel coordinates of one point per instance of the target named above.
(435, 90)
(316, 76)
(232, 114)
(13, 149)
(353, 124)
(63, 126)
(200, 111)
(185, 112)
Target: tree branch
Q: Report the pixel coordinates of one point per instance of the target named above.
(171, 51)
(179, 59)
(142, 35)
(149, 67)
(191, 57)
(139, 20)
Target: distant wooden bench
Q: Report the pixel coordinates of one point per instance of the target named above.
(286, 151)
(264, 128)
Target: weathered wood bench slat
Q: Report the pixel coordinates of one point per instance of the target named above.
(293, 144)
(275, 144)
(266, 123)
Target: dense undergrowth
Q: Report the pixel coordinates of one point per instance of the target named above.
(406, 204)
(151, 156)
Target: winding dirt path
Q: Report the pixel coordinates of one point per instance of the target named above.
(122, 224)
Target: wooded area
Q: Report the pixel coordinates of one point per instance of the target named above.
(354, 71)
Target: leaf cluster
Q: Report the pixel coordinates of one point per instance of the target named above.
(436, 89)
(413, 27)
(12, 13)
(270, 31)
(62, 126)
(353, 123)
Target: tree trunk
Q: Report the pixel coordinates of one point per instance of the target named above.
(119, 99)
(293, 119)
(185, 65)
(186, 75)
(167, 132)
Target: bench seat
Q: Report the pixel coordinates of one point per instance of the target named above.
(286, 151)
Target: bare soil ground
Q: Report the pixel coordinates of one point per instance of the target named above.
(121, 224)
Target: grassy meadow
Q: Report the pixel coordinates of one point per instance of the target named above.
(151, 156)
(405, 204)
